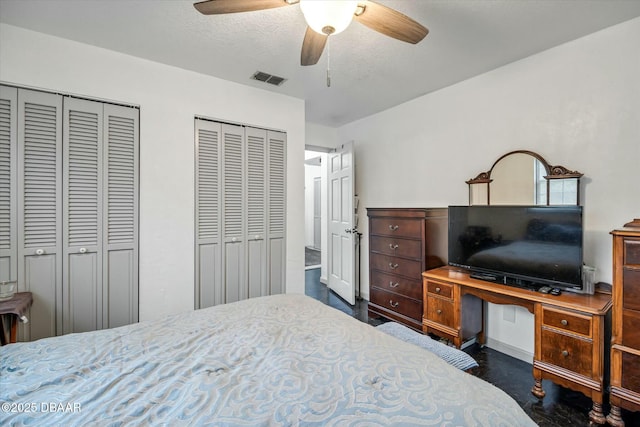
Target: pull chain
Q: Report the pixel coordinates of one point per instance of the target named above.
(328, 61)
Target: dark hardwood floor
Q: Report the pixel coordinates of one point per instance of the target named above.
(561, 407)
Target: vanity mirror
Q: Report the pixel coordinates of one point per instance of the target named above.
(525, 178)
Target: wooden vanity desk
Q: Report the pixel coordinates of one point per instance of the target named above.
(569, 347)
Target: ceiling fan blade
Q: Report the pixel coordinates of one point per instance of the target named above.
(312, 47)
(217, 7)
(390, 22)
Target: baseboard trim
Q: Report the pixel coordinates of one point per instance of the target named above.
(510, 350)
(324, 280)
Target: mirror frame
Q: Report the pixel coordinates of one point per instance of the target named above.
(553, 172)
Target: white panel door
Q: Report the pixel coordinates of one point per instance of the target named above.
(341, 223)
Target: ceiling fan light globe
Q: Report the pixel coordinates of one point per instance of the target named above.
(328, 16)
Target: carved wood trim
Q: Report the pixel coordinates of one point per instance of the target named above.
(553, 172)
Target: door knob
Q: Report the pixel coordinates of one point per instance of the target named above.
(83, 250)
(39, 251)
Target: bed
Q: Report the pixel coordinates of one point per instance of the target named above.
(281, 360)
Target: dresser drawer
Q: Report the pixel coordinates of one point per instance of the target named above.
(631, 289)
(632, 252)
(389, 282)
(409, 307)
(396, 265)
(567, 321)
(441, 311)
(441, 289)
(397, 247)
(631, 328)
(568, 352)
(411, 228)
(631, 372)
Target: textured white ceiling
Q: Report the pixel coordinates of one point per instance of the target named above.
(370, 72)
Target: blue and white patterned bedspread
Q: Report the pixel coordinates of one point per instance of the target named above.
(282, 360)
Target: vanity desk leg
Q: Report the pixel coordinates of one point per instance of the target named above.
(615, 417)
(596, 416)
(537, 390)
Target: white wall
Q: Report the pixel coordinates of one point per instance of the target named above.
(169, 98)
(577, 105)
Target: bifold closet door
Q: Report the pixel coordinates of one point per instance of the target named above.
(100, 273)
(82, 216)
(240, 212)
(209, 285)
(256, 190)
(39, 204)
(120, 204)
(100, 216)
(8, 184)
(69, 210)
(233, 209)
(276, 190)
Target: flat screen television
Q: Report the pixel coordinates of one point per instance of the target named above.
(526, 246)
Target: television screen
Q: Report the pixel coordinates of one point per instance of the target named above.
(527, 246)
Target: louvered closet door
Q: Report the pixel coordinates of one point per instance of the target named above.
(277, 163)
(120, 218)
(82, 216)
(40, 210)
(233, 208)
(256, 186)
(8, 184)
(209, 285)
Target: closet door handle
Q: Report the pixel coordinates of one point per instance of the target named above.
(39, 251)
(83, 250)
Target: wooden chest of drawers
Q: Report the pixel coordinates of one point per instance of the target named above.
(402, 244)
(625, 340)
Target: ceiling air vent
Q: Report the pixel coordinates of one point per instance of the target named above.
(268, 78)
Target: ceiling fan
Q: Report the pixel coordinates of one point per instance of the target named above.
(325, 18)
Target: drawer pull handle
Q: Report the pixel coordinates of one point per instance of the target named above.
(393, 266)
(393, 247)
(393, 304)
(564, 322)
(394, 285)
(565, 353)
(439, 311)
(438, 290)
(393, 227)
